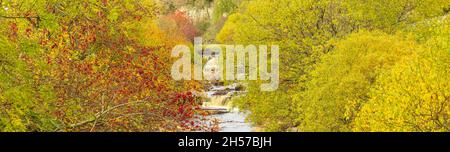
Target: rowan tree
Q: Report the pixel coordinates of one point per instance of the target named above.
(91, 66)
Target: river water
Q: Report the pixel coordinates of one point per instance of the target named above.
(233, 121)
(219, 97)
(230, 119)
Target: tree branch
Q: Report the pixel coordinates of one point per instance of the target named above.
(100, 114)
(19, 17)
(28, 18)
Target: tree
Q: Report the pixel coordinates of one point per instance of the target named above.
(224, 7)
(91, 66)
(340, 83)
(414, 95)
(23, 100)
(305, 30)
(177, 23)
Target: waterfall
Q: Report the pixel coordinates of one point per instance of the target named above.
(219, 102)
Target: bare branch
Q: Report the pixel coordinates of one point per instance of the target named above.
(100, 114)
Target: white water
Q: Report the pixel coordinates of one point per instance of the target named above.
(233, 121)
(230, 118)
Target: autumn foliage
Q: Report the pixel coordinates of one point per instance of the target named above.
(179, 22)
(90, 66)
(349, 65)
(103, 65)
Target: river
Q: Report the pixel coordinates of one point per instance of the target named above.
(233, 121)
(219, 99)
(230, 119)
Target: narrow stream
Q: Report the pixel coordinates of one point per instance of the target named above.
(230, 119)
(219, 101)
(233, 121)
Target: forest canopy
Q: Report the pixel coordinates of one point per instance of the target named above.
(104, 65)
(91, 66)
(341, 61)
